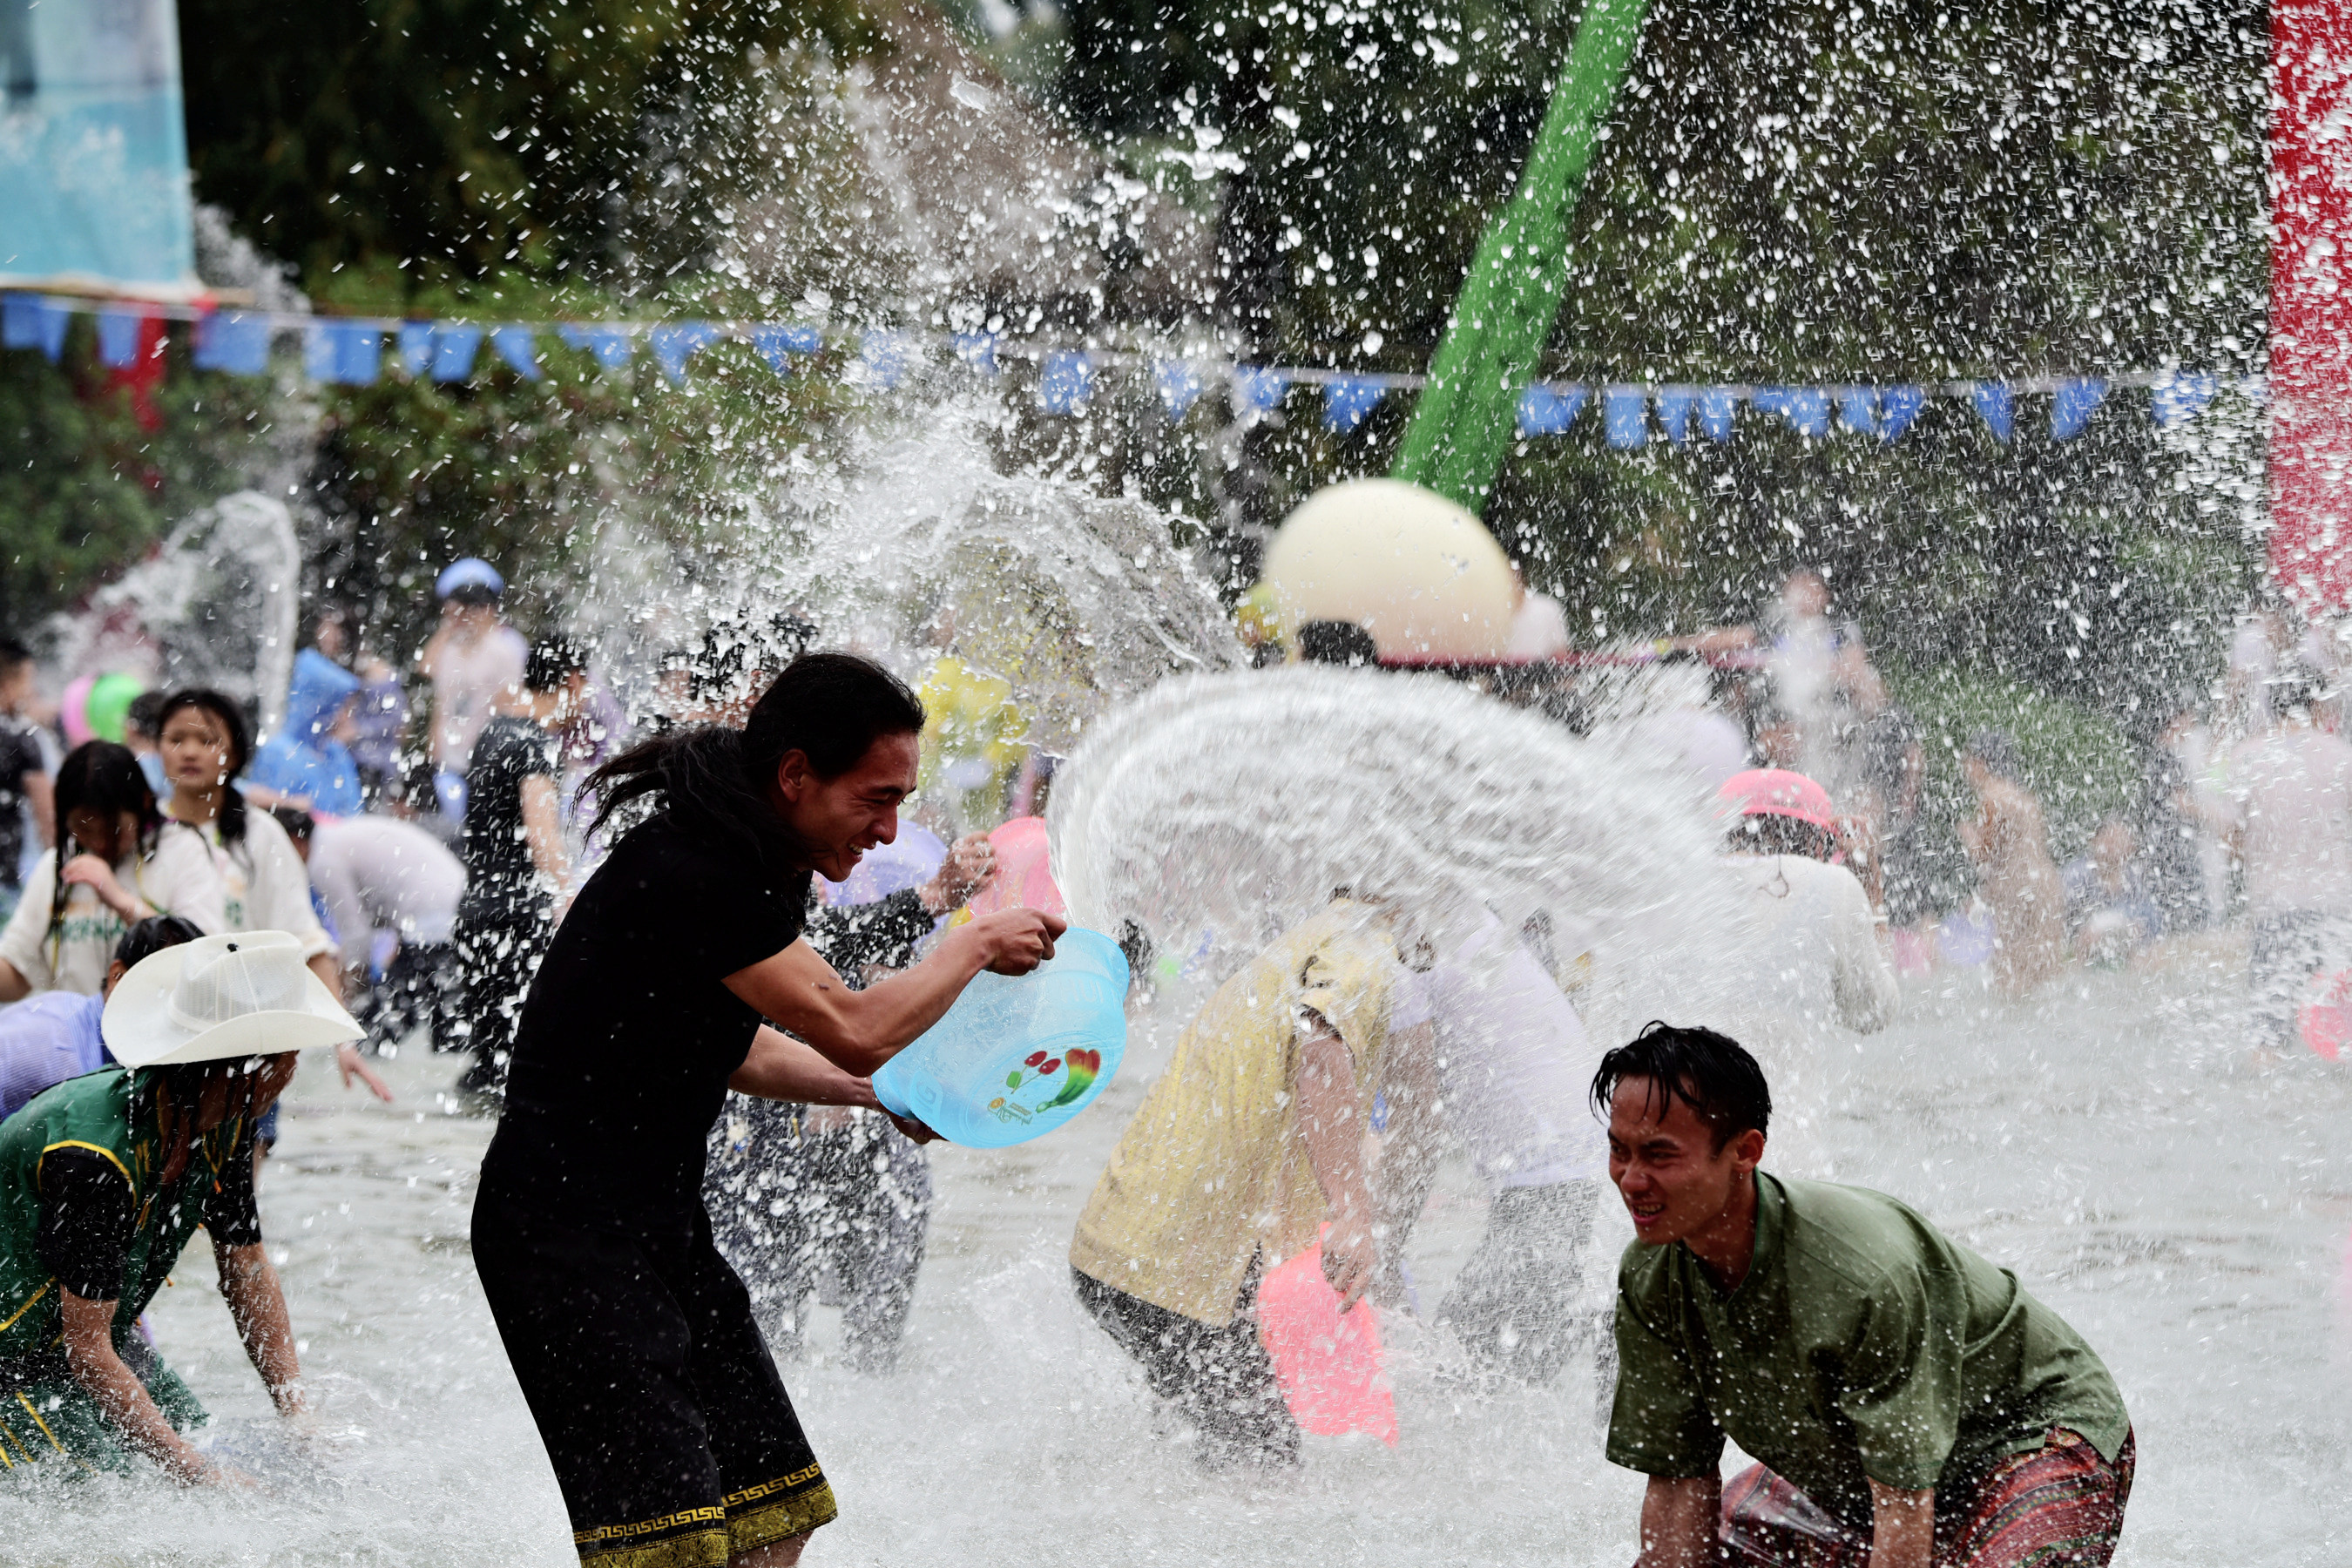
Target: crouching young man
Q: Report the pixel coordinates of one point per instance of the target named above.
(1911, 1404)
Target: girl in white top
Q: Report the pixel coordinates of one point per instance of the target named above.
(118, 861)
(202, 738)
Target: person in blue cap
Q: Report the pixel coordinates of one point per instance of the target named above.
(473, 655)
(305, 758)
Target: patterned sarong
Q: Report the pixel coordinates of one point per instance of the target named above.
(2059, 1504)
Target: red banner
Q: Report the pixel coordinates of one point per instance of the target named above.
(2311, 302)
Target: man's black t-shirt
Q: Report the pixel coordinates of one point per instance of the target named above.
(20, 754)
(497, 856)
(622, 1057)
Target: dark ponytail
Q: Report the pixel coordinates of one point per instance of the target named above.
(100, 776)
(829, 707)
(231, 719)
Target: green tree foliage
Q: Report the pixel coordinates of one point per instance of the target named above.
(468, 136)
(1822, 191)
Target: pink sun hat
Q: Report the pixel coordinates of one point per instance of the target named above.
(1778, 792)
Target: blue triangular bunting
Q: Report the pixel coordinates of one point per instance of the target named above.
(2071, 406)
(118, 337)
(1179, 386)
(1625, 416)
(413, 343)
(613, 346)
(1256, 390)
(2181, 398)
(975, 351)
(1897, 407)
(1718, 407)
(1348, 401)
(1858, 409)
(1806, 408)
(456, 346)
(779, 341)
(345, 353)
(232, 341)
(519, 349)
(882, 359)
(1064, 382)
(1549, 409)
(1675, 406)
(33, 321)
(678, 343)
(1994, 402)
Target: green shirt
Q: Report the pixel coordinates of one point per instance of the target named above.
(1863, 1345)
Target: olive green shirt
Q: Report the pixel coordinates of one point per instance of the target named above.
(1863, 1345)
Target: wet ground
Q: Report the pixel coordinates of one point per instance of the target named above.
(2115, 1142)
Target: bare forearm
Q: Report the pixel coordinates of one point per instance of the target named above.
(1679, 1521)
(1902, 1527)
(781, 1067)
(117, 1391)
(256, 1305)
(1333, 1124)
(41, 796)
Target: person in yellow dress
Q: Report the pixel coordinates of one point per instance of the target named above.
(972, 742)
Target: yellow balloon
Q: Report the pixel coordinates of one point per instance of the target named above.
(1421, 574)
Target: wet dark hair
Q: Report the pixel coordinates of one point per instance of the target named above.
(142, 717)
(2293, 690)
(152, 936)
(475, 593)
(1337, 642)
(299, 824)
(1711, 1073)
(240, 748)
(1769, 833)
(1998, 752)
(14, 655)
(829, 707)
(177, 1092)
(100, 776)
(553, 661)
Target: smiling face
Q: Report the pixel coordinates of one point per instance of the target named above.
(1676, 1181)
(196, 748)
(838, 819)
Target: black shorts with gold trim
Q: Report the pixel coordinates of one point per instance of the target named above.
(669, 1429)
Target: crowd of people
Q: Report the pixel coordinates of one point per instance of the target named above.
(675, 956)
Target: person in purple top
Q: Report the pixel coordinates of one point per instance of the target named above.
(53, 1035)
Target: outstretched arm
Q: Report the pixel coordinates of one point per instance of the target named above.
(89, 1354)
(781, 1067)
(257, 1306)
(858, 1031)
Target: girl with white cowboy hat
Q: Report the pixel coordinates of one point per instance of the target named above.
(104, 1178)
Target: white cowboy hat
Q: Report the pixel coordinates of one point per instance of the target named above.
(247, 994)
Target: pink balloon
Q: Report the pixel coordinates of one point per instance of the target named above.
(73, 709)
(1024, 872)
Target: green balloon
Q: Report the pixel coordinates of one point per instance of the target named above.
(109, 704)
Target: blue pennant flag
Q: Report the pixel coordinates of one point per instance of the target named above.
(1858, 409)
(1994, 402)
(118, 337)
(1625, 416)
(2178, 398)
(233, 341)
(1549, 408)
(517, 347)
(2071, 407)
(1717, 409)
(1806, 408)
(882, 359)
(1179, 386)
(1348, 401)
(778, 342)
(415, 345)
(34, 322)
(613, 346)
(1258, 391)
(1675, 406)
(1065, 381)
(976, 351)
(1897, 407)
(678, 343)
(346, 354)
(456, 346)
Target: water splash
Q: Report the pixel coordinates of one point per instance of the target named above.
(1221, 809)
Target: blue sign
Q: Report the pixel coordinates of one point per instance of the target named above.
(93, 145)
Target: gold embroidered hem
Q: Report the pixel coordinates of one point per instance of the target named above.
(774, 1510)
(696, 1539)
